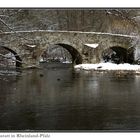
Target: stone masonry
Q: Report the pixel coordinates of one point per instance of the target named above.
(30, 45)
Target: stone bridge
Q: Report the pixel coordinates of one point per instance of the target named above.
(84, 47)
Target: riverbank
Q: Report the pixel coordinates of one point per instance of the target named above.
(109, 67)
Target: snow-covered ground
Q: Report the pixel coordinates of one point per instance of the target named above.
(109, 66)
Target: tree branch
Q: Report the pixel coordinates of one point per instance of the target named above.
(12, 30)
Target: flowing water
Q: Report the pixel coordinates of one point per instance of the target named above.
(58, 97)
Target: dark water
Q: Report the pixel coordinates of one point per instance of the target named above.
(60, 98)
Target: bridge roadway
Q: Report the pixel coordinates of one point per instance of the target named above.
(84, 47)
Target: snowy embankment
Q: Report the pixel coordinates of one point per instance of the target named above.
(109, 66)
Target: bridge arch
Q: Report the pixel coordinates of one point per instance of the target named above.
(18, 61)
(117, 54)
(75, 55)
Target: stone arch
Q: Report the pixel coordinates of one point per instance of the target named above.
(18, 59)
(76, 57)
(118, 55)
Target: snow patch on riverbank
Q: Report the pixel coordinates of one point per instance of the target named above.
(108, 66)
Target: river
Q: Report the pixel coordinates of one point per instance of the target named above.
(57, 97)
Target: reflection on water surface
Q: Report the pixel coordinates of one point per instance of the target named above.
(59, 98)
